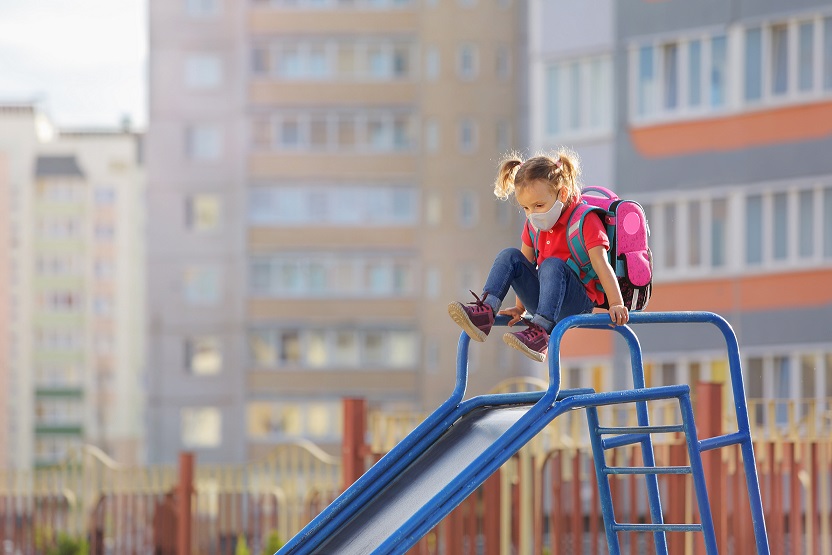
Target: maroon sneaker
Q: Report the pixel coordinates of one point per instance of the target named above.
(532, 342)
(475, 318)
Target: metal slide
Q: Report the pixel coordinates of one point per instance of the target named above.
(423, 480)
(441, 462)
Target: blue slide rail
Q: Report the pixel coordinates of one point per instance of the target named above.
(542, 408)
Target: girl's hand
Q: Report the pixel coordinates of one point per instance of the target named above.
(619, 315)
(515, 313)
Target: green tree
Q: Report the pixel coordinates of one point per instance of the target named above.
(242, 546)
(273, 543)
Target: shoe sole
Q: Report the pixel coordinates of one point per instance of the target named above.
(511, 340)
(458, 315)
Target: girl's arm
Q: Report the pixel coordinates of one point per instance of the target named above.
(516, 312)
(618, 312)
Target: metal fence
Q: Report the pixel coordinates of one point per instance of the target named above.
(544, 500)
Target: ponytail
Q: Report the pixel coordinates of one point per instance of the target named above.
(504, 185)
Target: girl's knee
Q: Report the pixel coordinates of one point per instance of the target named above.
(511, 254)
(553, 264)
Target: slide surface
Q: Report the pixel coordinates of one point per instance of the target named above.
(467, 439)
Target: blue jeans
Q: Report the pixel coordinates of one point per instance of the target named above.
(550, 292)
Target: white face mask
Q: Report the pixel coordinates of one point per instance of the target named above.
(544, 221)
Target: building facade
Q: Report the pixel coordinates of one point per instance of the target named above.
(720, 127)
(320, 182)
(74, 297)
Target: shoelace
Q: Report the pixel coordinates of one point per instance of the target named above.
(531, 331)
(479, 303)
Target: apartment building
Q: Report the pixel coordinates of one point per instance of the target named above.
(720, 127)
(320, 178)
(72, 323)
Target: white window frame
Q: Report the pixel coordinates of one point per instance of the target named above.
(735, 232)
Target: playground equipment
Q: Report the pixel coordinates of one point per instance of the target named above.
(463, 442)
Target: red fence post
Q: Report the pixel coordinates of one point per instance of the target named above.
(353, 447)
(709, 424)
(491, 513)
(183, 503)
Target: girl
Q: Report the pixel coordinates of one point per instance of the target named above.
(548, 191)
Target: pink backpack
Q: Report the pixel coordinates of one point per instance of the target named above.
(629, 254)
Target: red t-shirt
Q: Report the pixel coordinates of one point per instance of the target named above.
(553, 243)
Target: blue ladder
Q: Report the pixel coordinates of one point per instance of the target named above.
(642, 434)
(627, 435)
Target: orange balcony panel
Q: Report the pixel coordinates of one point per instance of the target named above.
(751, 293)
(760, 128)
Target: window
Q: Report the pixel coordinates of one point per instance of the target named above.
(342, 205)
(364, 131)
(432, 63)
(334, 348)
(646, 80)
(578, 97)
(827, 49)
(779, 59)
(467, 135)
(827, 222)
(695, 73)
(203, 356)
(105, 195)
(503, 62)
(202, 285)
(754, 229)
(203, 142)
(433, 209)
(670, 57)
(806, 224)
(787, 60)
(319, 420)
(694, 241)
(468, 209)
(806, 56)
(753, 64)
(203, 71)
(719, 63)
(202, 8)
(261, 59)
(719, 231)
(467, 62)
(432, 135)
(338, 275)
(202, 212)
(201, 427)
(780, 240)
(289, 132)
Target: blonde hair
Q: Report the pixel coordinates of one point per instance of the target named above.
(561, 168)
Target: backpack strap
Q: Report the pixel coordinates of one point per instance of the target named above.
(579, 260)
(533, 235)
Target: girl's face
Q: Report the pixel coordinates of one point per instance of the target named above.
(538, 196)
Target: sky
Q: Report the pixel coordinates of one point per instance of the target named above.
(83, 61)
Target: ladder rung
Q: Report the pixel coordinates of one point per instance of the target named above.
(647, 470)
(622, 440)
(658, 527)
(640, 430)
